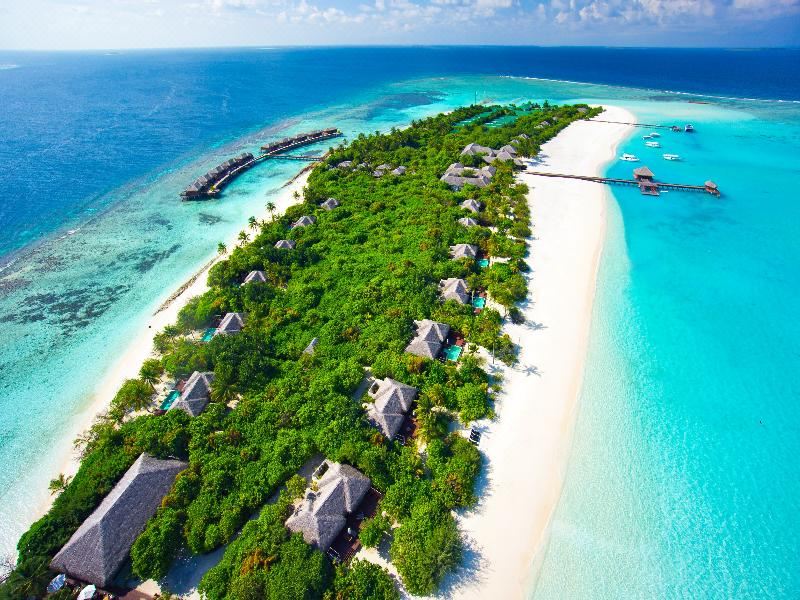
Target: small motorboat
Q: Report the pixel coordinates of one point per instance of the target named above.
(675, 128)
(649, 136)
(689, 128)
(655, 135)
(629, 158)
(652, 144)
(671, 156)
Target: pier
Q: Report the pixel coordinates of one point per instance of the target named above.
(212, 183)
(643, 179)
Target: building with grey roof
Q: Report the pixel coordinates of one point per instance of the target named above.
(255, 277)
(392, 401)
(454, 289)
(330, 204)
(472, 205)
(463, 251)
(285, 244)
(100, 546)
(468, 222)
(323, 513)
(428, 338)
(231, 323)
(195, 395)
(304, 221)
(401, 170)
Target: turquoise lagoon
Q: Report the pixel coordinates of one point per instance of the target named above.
(683, 480)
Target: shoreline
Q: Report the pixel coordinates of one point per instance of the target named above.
(141, 347)
(526, 448)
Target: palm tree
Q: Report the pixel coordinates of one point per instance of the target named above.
(243, 237)
(271, 209)
(223, 390)
(151, 371)
(252, 222)
(59, 484)
(221, 248)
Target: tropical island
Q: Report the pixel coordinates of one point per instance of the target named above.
(347, 341)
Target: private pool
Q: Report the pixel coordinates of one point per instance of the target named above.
(452, 353)
(208, 334)
(171, 397)
(479, 302)
(483, 263)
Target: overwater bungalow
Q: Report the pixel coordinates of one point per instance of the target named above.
(454, 289)
(330, 204)
(463, 251)
(195, 395)
(472, 205)
(97, 550)
(231, 323)
(711, 188)
(255, 277)
(392, 401)
(468, 222)
(285, 244)
(322, 514)
(304, 221)
(428, 338)
(649, 188)
(643, 174)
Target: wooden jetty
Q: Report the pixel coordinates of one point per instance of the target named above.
(212, 183)
(643, 178)
(647, 125)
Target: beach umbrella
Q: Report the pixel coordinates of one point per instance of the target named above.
(57, 583)
(87, 593)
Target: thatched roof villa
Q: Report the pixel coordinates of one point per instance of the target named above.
(472, 205)
(468, 222)
(463, 251)
(474, 149)
(285, 244)
(345, 164)
(392, 401)
(323, 513)
(643, 174)
(454, 289)
(401, 170)
(231, 323)
(196, 394)
(100, 546)
(428, 338)
(255, 277)
(457, 176)
(304, 221)
(330, 204)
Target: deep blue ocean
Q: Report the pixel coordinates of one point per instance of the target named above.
(683, 481)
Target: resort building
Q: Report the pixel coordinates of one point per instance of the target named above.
(195, 395)
(454, 289)
(285, 244)
(476, 149)
(304, 221)
(643, 174)
(330, 204)
(231, 323)
(463, 251)
(345, 164)
(509, 149)
(468, 222)
(255, 277)
(100, 546)
(472, 205)
(392, 401)
(311, 346)
(457, 176)
(323, 513)
(428, 338)
(401, 170)
(381, 170)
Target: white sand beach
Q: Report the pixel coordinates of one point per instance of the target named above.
(527, 447)
(141, 347)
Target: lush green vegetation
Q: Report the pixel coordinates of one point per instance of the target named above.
(356, 280)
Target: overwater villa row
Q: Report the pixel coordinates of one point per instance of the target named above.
(300, 139)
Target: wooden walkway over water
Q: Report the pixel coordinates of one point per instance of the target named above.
(709, 187)
(647, 125)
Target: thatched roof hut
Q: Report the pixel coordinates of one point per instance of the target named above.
(472, 205)
(463, 251)
(468, 222)
(454, 289)
(231, 323)
(285, 244)
(99, 547)
(392, 401)
(473, 149)
(304, 221)
(195, 395)
(322, 514)
(330, 204)
(312, 345)
(255, 277)
(428, 338)
(643, 174)
(401, 170)
(345, 164)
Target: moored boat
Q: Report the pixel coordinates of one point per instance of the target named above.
(629, 157)
(689, 128)
(652, 144)
(671, 156)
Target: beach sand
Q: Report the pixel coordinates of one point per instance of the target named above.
(141, 347)
(526, 448)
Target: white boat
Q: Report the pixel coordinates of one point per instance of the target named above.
(689, 128)
(671, 156)
(652, 144)
(647, 137)
(629, 158)
(655, 135)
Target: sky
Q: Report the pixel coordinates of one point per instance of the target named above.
(107, 24)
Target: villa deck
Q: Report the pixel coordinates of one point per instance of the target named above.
(347, 544)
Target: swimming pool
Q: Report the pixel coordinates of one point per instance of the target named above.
(478, 302)
(208, 334)
(452, 353)
(171, 397)
(483, 263)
